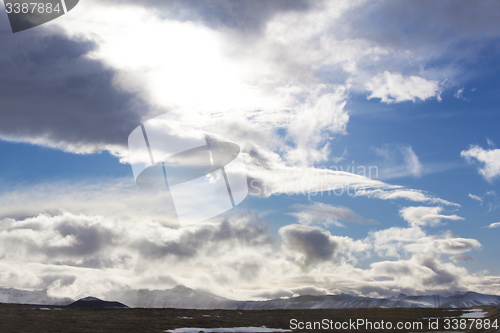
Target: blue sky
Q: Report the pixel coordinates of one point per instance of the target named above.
(301, 87)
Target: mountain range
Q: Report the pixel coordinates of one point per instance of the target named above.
(182, 297)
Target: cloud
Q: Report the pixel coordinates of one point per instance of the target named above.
(412, 161)
(308, 244)
(221, 14)
(309, 291)
(55, 238)
(494, 225)
(120, 245)
(463, 259)
(395, 88)
(459, 95)
(424, 34)
(425, 215)
(254, 59)
(399, 162)
(475, 197)
(408, 194)
(391, 241)
(270, 175)
(52, 93)
(320, 116)
(105, 197)
(320, 213)
(489, 159)
(74, 255)
(447, 243)
(424, 267)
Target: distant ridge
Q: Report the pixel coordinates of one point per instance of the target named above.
(182, 297)
(96, 303)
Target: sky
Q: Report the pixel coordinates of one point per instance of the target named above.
(369, 132)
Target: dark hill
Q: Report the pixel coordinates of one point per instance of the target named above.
(95, 303)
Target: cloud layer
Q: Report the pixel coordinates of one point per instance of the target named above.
(76, 255)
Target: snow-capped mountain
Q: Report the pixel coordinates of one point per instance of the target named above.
(186, 298)
(10, 295)
(179, 297)
(469, 299)
(182, 297)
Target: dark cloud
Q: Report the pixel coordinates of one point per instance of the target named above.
(312, 242)
(422, 23)
(440, 277)
(242, 15)
(89, 239)
(61, 237)
(208, 239)
(95, 242)
(443, 36)
(50, 93)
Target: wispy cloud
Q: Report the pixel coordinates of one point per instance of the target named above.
(475, 197)
(320, 213)
(425, 215)
(404, 193)
(459, 95)
(399, 161)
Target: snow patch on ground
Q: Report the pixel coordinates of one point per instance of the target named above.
(474, 313)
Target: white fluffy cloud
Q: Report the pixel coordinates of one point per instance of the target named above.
(425, 215)
(395, 88)
(489, 159)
